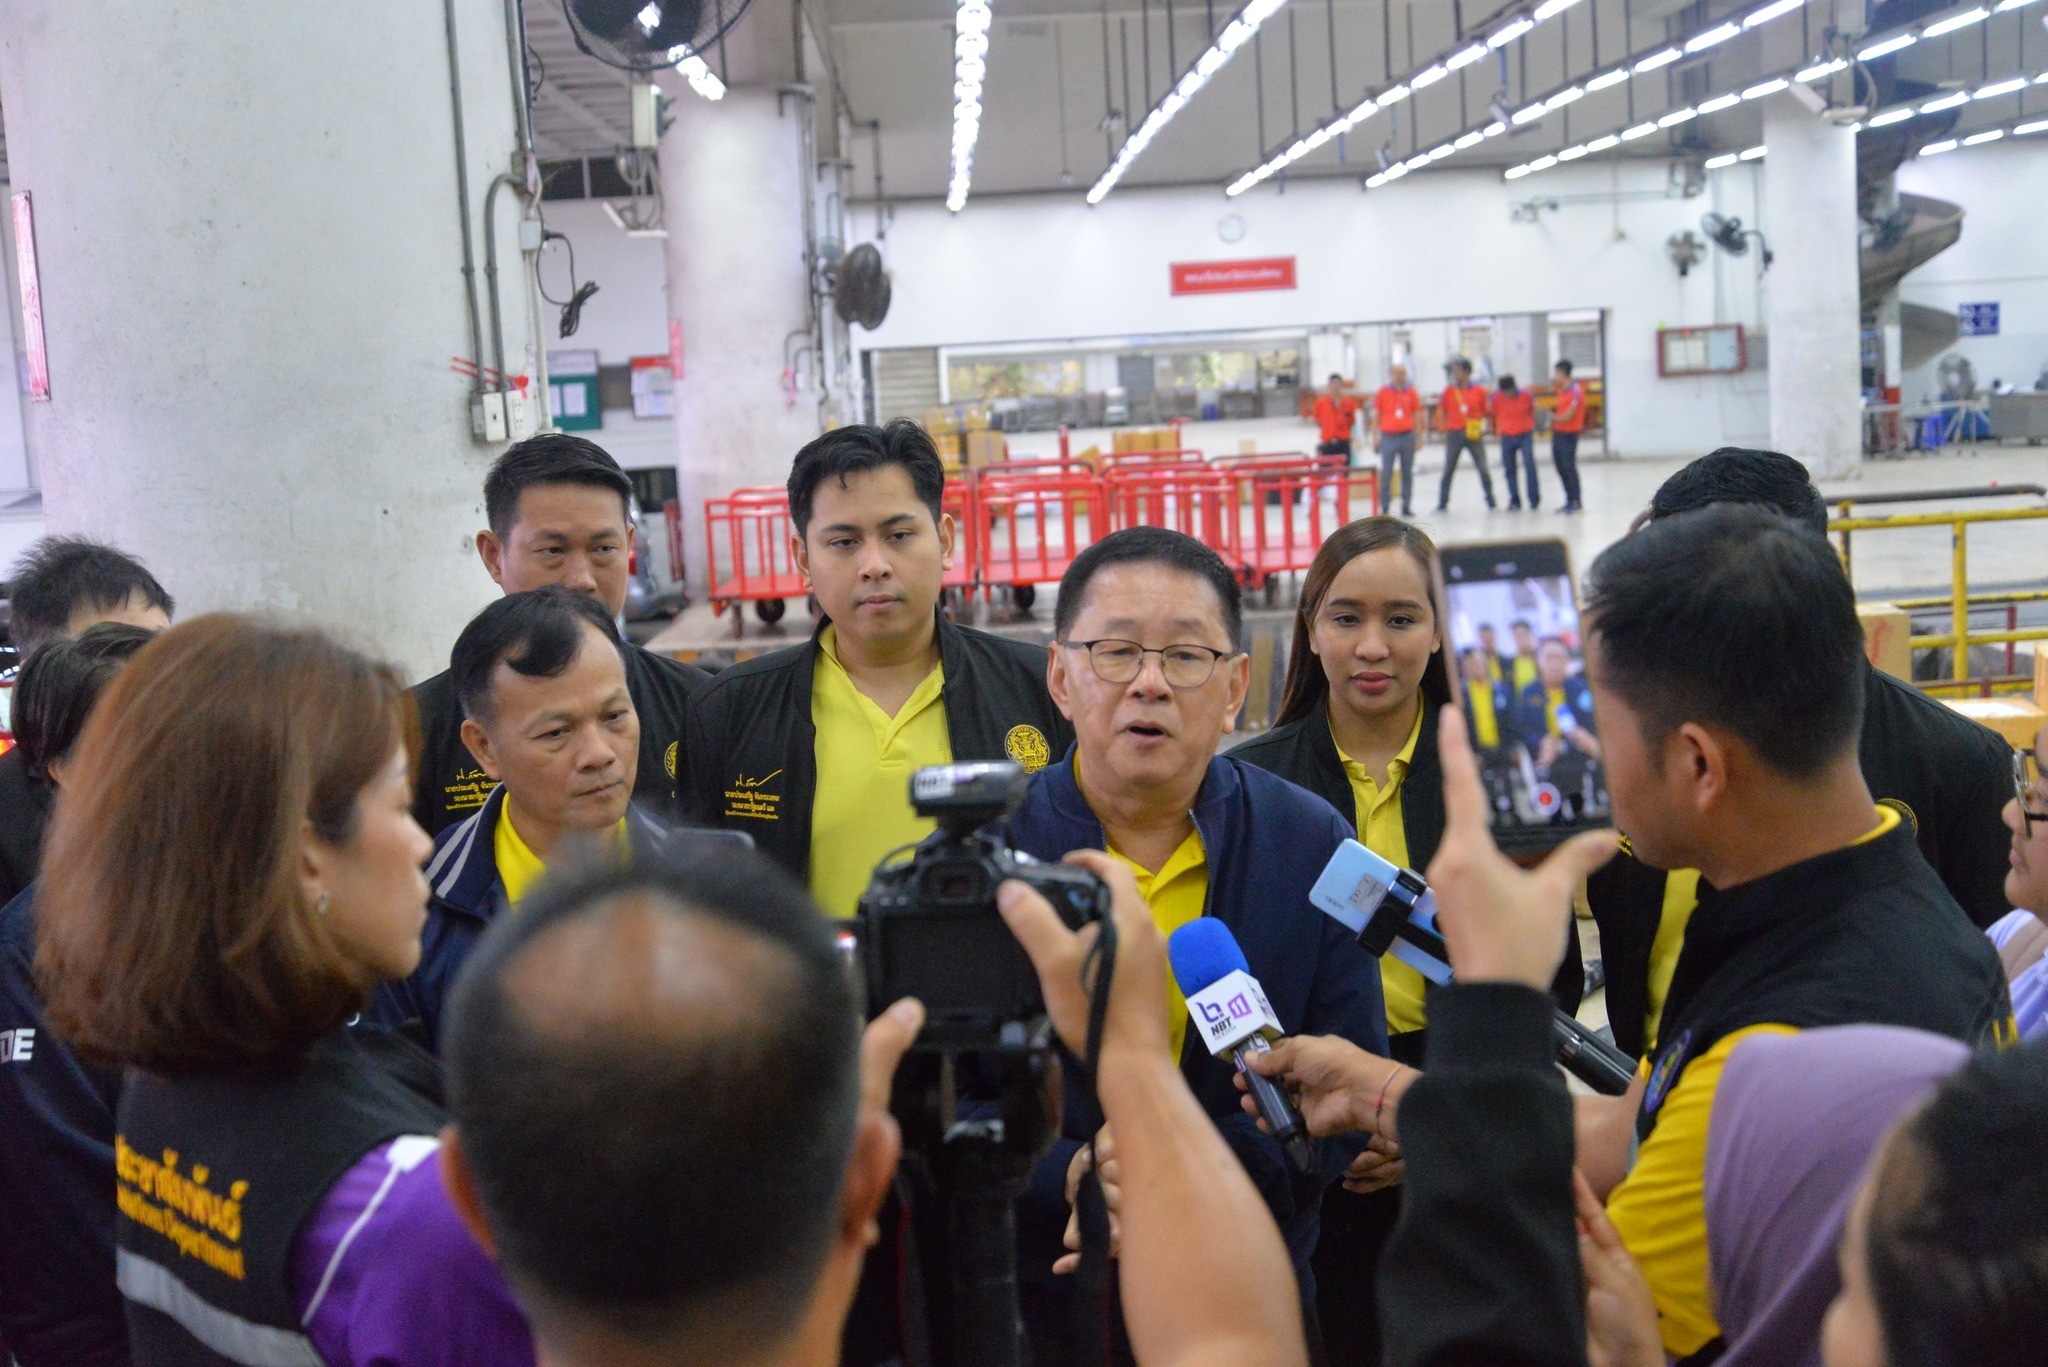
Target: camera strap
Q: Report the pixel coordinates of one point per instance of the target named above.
(1092, 1301)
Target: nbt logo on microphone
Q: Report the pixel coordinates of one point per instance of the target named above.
(1232, 1010)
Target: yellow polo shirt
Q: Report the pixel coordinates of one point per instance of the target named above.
(1177, 894)
(519, 867)
(1381, 830)
(1485, 719)
(1525, 672)
(861, 809)
(1553, 698)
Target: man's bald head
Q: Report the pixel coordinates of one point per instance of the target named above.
(654, 1076)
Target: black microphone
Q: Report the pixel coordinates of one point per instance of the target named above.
(1230, 1012)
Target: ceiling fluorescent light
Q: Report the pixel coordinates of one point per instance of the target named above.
(1935, 149)
(1551, 8)
(1470, 55)
(1713, 37)
(1677, 117)
(2037, 126)
(1719, 103)
(1725, 159)
(1393, 95)
(1572, 153)
(1234, 36)
(1979, 139)
(1602, 144)
(1887, 47)
(1770, 87)
(1417, 163)
(1501, 37)
(1565, 97)
(701, 77)
(2012, 4)
(1472, 139)
(970, 64)
(1364, 111)
(1542, 163)
(1945, 102)
(1771, 11)
(1657, 59)
(1954, 22)
(1516, 172)
(1754, 153)
(1397, 170)
(1822, 70)
(1422, 80)
(2001, 88)
(1641, 130)
(1375, 180)
(1529, 115)
(1494, 129)
(1607, 78)
(1891, 117)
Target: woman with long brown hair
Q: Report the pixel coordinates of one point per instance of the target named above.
(1368, 675)
(233, 868)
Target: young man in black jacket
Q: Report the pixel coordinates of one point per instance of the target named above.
(1946, 776)
(810, 749)
(559, 509)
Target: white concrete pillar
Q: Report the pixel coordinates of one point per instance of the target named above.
(732, 187)
(247, 224)
(1813, 313)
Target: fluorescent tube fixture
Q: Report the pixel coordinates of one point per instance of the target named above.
(1754, 153)
(1602, 144)
(1945, 102)
(1935, 149)
(970, 64)
(1364, 111)
(1772, 87)
(1713, 37)
(1235, 35)
(1551, 8)
(1770, 12)
(1954, 22)
(1458, 60)
(1393, 95)
(1607, 78)
(1677, 117)
(1820, 71)
(1891, 117)
(1719, 103)
(2012, 4)
(1887, 47)
(701, 77)
(2001, 88)
(1657, 59)
(1979, 139)
(1529, 115)
(1725, 159)
(1494, 129)
(1422, 80)
(1641, 130)
(1472, 139)
(1542, 163)
(1572, 153)
(1501, 37)
(2037, 126)
(1516, 172)
(1565, 97)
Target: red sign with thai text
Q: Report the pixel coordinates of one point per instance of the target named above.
(1233, 277)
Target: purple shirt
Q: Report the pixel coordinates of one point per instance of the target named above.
(385, 1274)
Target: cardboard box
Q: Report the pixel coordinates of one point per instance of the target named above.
(1887, 638)
(2012, 716)
(985, 447)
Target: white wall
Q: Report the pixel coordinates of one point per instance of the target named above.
(627, 317)
(2002, 256)
(1439, 244)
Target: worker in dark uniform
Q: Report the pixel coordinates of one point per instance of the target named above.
(560, 512)
(810, 749)
(59, 587)
(1948, 777)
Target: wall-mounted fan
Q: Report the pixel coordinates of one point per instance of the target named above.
(1731, 237)
(860, 287)
(647, 35)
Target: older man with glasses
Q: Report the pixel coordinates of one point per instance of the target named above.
(1148, 664)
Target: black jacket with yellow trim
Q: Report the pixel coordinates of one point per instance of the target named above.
(752, 762)
(1949, 777)
(1865, 935)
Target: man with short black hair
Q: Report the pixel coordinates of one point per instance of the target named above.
(810, 749)
(1948, 777)
(559, 512)
(1148, 663)
(547, 713)
(1567, 422)
(1463, 409)
(61, 586)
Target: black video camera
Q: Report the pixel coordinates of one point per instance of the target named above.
(929, 927)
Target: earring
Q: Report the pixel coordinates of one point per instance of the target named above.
(320, 907)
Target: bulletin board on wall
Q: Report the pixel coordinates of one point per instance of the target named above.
(1719, 349)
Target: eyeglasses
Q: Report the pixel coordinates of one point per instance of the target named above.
(2026, 788)
(1183, 666)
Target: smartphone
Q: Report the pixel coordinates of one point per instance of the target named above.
(1518, 669)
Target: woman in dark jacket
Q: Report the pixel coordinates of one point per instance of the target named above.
(1368, 674)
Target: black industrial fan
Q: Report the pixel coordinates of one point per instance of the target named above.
(860, 287)
(647, 35)
(1731, 237)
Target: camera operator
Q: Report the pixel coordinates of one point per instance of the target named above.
(1147, 664)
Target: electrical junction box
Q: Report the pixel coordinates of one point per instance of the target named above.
(646, 114)
(487, 416)
(521, 421)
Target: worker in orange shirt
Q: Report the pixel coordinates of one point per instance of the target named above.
(1336, 411)
(1464, 413)
(1394, 410)
(1514, 417)
(1565, 425)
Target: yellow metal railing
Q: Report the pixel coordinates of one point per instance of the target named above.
(1960, 601)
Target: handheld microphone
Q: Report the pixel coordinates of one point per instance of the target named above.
(1392, 909)
(1230, 1012)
